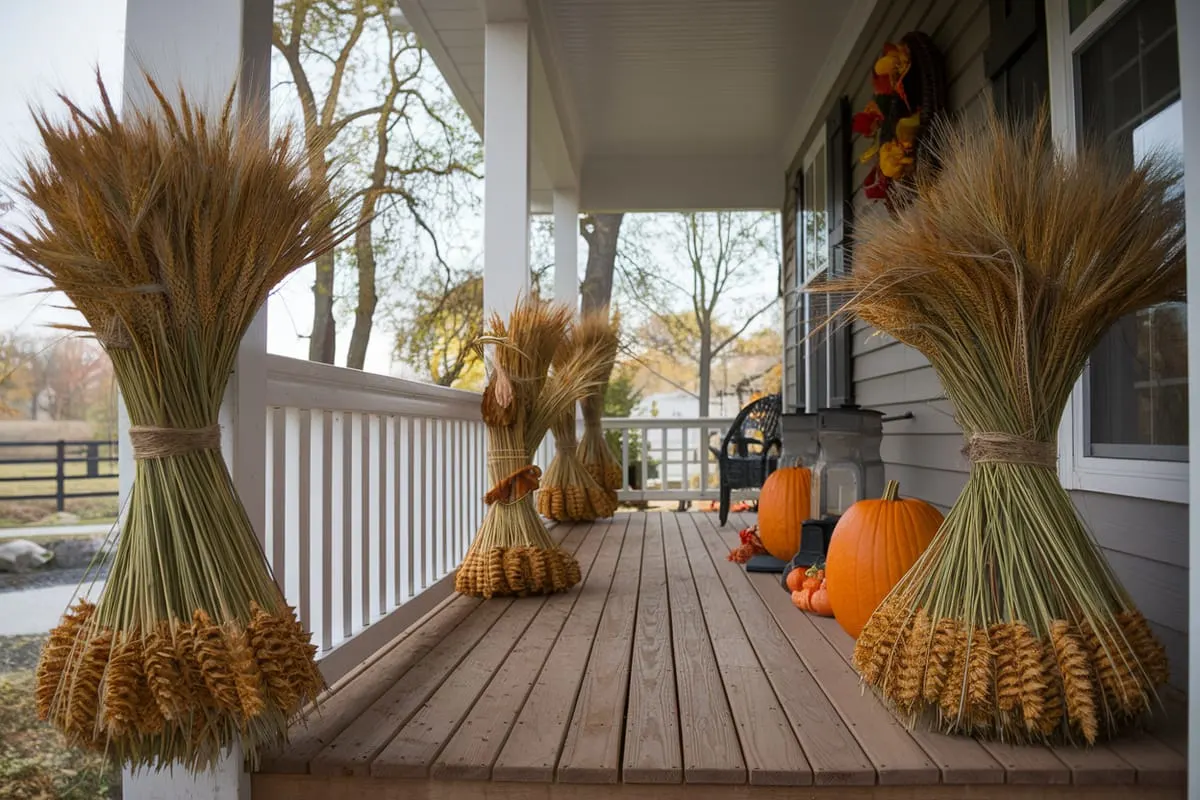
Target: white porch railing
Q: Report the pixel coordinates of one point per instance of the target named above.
(668, 458)
(374, 489)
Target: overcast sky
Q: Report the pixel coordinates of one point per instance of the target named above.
(55, 45)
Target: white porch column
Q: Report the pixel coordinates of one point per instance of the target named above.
(505, 164)
(1188, 19)
(206, 48)
(566, 247)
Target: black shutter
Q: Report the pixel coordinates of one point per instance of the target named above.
(1016, 59)
(839, 202)
(794, 295)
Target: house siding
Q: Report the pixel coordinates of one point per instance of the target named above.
(1145, 541)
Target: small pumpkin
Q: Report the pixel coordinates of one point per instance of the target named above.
(818, 601)
(800, 599)
(873, 545)
(783, 505)
(795, 579)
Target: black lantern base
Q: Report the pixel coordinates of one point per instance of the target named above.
(815, 535)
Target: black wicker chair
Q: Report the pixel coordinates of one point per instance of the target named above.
(750, 450)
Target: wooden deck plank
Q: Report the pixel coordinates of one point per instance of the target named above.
(773, 755)
(592, 750)
(961, 760)
(342, 707)
(351, 752)
(711, 753)
(1095, 766)
(531, 752)
(652, 748)
(897, 759)
(1156, 763)
(1028, 764)
(473, 749)
(412, 751)
(307, 787)
(831, 749)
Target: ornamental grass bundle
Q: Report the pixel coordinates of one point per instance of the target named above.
(597, 458)
(1006, 270)
(166, 230)
(512, 554)
(569, 492)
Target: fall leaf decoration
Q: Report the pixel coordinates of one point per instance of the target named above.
(906, 94)
(750, 546)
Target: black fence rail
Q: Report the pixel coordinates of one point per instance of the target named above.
(99, 458)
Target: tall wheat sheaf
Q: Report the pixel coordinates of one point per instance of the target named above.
(570, 489)
(166, 229)
(1005, 271)
(512, 554)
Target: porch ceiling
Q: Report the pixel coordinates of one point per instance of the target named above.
(657, 104)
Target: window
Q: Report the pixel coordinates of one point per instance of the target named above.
(1115, 79)
(812, 250)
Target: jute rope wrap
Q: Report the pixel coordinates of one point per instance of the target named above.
(1005, 448)
(152, 442)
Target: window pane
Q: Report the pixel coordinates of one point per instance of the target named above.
(1129, 98)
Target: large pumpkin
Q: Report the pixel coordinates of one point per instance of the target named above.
(873, 545)
(783, 505)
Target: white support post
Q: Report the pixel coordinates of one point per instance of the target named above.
(206, 48)
(1188, 21)
(566, 248)
(505, 165)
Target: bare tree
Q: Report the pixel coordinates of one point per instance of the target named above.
(719, 265)
(601, 232)
(393, 144)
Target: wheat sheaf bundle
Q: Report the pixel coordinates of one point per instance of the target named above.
(167, 229)
(594, 452)
(1005, 271)
(570, 492)
(512, 554)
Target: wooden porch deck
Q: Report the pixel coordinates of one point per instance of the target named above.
(670, 672)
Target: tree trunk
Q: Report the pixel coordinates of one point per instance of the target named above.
(601, 232)
(706, 357)
(322, 345)
(364, 313)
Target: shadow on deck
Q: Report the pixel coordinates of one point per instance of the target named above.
(670, 672)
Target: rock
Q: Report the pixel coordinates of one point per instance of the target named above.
(76, 552)
(22, 555)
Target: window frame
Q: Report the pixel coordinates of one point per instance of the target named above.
(808, 384)
(1077, 468)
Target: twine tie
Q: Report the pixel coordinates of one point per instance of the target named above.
(1006, 448)
(153, 442)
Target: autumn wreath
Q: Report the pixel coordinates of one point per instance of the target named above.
(908, 82)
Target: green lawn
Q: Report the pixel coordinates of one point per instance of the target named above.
(39, 479)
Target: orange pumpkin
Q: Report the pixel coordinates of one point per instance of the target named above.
(873, 545)
(800, 599)
(783, 505)
(818, 601)
(795, 579)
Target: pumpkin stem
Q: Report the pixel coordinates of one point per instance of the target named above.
(892, 490)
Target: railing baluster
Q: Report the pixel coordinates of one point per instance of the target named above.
(279, 490)
(304, 520)
(380, 486)
(684, 458)
(434, 555)
(420, 528)
(347, 537)
(404, 492)
(389, 597)
(327, 484)
(366, 528)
